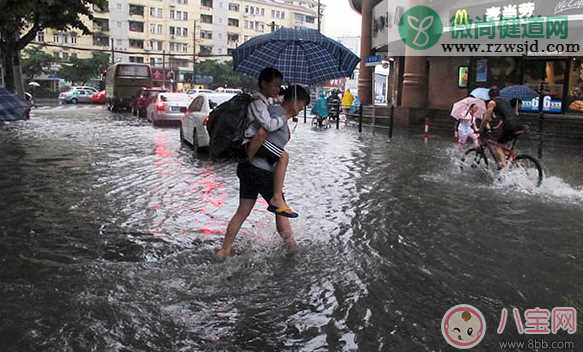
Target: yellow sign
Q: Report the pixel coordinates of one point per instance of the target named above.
(461, 18)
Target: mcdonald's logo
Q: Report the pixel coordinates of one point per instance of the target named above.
(461, 18)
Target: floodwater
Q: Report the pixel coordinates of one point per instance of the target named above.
(108, 228)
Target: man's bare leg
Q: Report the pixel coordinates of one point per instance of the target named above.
(256, 142)
(501, 158)
(278, 181)
(243, 211)
(285, 231)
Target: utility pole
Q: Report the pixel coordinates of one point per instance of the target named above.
(319, 16)
(164, 68)
(112, 52)
(193, 55)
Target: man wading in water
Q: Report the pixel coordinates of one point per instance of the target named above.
(256, 175)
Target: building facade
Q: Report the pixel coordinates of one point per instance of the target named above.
(174, 31)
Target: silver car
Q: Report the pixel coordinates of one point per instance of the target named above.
(167, 108)
(77, 95)
(193, 126)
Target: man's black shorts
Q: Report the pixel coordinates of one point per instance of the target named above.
(254, 181)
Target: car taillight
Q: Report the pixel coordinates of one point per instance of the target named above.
(205, 121)
(160, 106)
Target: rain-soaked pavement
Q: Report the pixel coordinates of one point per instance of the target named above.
(108, 228)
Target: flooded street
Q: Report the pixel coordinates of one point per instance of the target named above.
(108, 230)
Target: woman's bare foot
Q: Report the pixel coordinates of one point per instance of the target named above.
(224, 253)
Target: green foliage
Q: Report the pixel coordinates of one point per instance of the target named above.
(224, 76)
(81, 70)
(36, 62)
(30, 16)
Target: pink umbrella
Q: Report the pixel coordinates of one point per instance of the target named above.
(461, 109)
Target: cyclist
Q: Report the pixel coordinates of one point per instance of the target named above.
(500, 125)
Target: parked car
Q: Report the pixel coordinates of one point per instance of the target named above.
(98, 98)
(77, 95)
(144, 99)
(193, 124)
(168, 108)
(123, 82)
(198, 91)
(229, 90)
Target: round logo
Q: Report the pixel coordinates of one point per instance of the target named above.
(463, 326)
(420, 27)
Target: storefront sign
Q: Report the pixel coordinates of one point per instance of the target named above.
(374, 60)
(552, 105)
(463, 74)
(482, 70)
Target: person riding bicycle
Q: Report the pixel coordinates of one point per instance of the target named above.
(500, 124)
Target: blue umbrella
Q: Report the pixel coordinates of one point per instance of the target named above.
(304, 56)
(522, 92)
(12, 107)
(481, 93)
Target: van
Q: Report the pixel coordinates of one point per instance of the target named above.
(123, 83)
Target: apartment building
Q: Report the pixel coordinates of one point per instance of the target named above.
(165, 31)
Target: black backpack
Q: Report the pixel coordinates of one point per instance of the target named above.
(226, 127)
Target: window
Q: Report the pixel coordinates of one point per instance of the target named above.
(185, 16)
(196, 104)
(233, 7)
(206, 50)
(206, 35)
(171, 30)
(310, 19)
(136, 44)
(159, 29)
(206, 3)
(171, 14)
(252, 10)
(206, 18)
(136, 10)
(282, 15)
(136, 26)
(185, 32)
(272, 13)
(131, 70)
(233, 22)
(247, 9)
(230, 51)
(40, 36)
(65, 55)
(100, 25)
(100, 9)
(246, 24)
(152, 28)
(156, 45)
(73, 38)
(156, 12)
(262, 12)
(99, 40)
(182, 2)
(138, 59)
(233, 37)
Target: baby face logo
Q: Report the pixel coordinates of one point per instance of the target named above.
(463, 326)
(420, 27)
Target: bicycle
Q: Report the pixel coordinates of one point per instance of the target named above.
(529, 165)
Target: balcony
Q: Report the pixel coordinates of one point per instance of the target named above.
(136, 10)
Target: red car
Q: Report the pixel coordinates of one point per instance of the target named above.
(145, 97)
(98, 98)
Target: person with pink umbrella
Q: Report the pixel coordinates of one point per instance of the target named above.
(467, 111)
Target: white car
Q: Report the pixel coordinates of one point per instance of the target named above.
(198, 91)
(167, 108)
(229, 90)
(193, 127)
(77, 95)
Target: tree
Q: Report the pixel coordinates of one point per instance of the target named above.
(36, 62)
(223, 75)
(22, 19)
(81, 70)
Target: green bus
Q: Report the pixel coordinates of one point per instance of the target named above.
(123, 83)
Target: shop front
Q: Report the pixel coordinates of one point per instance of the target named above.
(561, 77)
